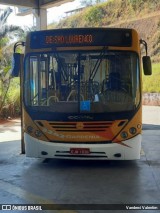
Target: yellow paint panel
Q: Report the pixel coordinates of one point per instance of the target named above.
(100, 131)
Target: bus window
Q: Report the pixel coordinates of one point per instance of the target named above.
(33, 81)
(107, 81)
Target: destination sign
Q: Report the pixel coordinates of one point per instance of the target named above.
(70, 39)
(81, 37)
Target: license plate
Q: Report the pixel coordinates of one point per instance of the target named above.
(79, 151)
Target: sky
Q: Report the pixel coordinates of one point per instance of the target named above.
(53, 14)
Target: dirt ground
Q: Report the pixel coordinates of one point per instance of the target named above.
(10, 130)
(10, 121)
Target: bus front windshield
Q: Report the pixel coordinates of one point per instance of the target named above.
(82, 82)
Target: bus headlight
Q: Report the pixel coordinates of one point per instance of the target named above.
(124, 135)
(133, 130)
(38, 133)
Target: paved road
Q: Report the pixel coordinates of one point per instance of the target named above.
(151, 115)
(10, 130)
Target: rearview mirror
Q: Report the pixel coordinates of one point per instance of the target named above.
(147, 67)
(16, 65)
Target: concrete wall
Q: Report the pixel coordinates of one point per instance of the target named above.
(152, 99)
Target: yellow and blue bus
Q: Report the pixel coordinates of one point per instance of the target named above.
(82, 93)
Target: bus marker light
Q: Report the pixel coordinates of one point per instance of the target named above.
(124, 135)
(38, 133)
(139, 126)
(132, 130)
(79, 151)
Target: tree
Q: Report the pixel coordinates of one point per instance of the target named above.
(6, 33)
(5, 28)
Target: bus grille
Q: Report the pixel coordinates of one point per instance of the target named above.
(80, 126)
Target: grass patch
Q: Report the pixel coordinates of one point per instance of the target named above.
(151, 83)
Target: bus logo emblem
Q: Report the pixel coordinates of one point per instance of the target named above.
(79, 125)
(85, 106)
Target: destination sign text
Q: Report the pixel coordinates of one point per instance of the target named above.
(69, 39)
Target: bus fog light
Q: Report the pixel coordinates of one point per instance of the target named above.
(132, 130)
(38, 133)
(124, 135)
(30, 129)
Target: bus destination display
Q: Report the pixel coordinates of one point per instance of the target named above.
(70, 39)
(81, 37)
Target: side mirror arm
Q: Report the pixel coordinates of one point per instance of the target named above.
(147, 65)
(16, 60)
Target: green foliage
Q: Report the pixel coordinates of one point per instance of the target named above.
(94, 15)
(14, 94)
(52, 25)
(3, 42)
(140, 5)
(152, 83)
(9, 92)
(73, 21)
(109, 12)
(11, 105)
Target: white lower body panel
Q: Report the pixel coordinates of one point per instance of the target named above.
(114, 151)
